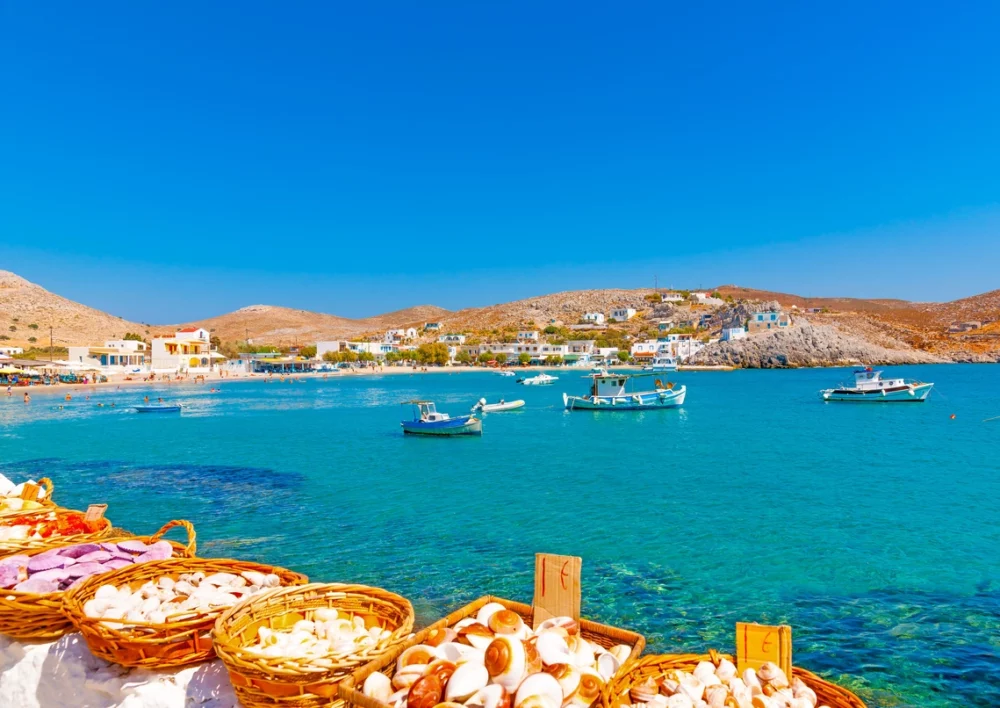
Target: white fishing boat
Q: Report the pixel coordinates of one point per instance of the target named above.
(497, 407)
(506, 372)
(870, 387)
(540, 380)
(662, 363)
(611, 392)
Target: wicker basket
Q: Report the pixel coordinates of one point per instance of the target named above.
(657, 665)
(601, 634)
(26, 615)
(101, 529)
(288, 682)
(158, 646)
(46, 501)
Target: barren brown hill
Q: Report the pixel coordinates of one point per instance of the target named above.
(28, 310)
(842, 304)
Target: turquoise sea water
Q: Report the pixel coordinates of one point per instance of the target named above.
(873, 530)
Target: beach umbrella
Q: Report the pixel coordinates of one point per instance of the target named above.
(9, 370)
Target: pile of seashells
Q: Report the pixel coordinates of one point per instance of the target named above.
(711, 686)
(321, 640)
(167, 600)
(10, 496)
(494, 660)
(63, 568)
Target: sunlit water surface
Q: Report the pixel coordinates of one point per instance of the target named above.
(873, 530)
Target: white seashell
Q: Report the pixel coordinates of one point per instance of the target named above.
(680, 700)
(157, 617)
(487, 611)
(621, 652)
(253, 577)
(659, 701)
(149, 605)
(800, 690)
(583, 652)
(772, 674)
(568, 677)
(378, 686)
(552, 648)
(183, 587)
(715, 696)
(458, 653)
(398, 699)
(165, 582)
(537, 686)
(566, 624)
(645, 692)
(669, 687)
(507, 674)
(219, 579)
(323, 614)
(750, 679)
(703, 670)
(271, 581)
(466, 622)
(691, 686)
(487, 697)
(417, 654)
(95, 607)
(467, 680)
(725, 670)
(607, 665)
(407, 676)
(106, 592)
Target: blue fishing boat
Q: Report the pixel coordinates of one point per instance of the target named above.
(427, 421)
(157, 409)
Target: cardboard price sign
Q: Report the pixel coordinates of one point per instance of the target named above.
(95, 512)
(557, 587)
(760, 643)
(30, 491)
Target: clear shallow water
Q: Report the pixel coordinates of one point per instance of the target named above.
(873, 530)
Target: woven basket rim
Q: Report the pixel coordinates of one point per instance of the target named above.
(74, 599)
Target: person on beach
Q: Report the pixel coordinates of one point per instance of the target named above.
(27, 397)
(9, 392)
(159, 400)
(145, 399)
(69, 397)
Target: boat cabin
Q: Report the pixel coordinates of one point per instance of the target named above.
(427, 412)
(605, 384)
(868, 379)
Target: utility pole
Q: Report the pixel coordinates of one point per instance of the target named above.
(50, 343)
(656, 283)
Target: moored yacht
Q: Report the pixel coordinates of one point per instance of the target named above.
(540, 380)
(662, 363)
(870, 387)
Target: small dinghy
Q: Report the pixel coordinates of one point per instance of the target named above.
(501, 405)
(157, 409)
(427, 421)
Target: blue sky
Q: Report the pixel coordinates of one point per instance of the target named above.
(167, 162)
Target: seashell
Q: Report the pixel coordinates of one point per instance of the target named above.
(622, 652)
(398, 699)
(219, 579)
(132, 546)
(271, 581)
(690, 685)
(552, 648)
(80, 549)
(459, 653)
(11, 575)
(532, 661)
(587, 692)
(106, 592)
(154, 554)
(567, 675)
(116, 563)
(465, 682)
(161, 547)
(761, 701)
(437, 637)
(406, 677)
(425, 692)
(608, 665)
(443, 669)
(771, 673)
(94, 557)
(567, 624)
(540, 685)
(157, 617)
(750, 679)
(715, 696)
(668, 687)
(491, 696)
(801, 690)
(54, 574)
(505, 661)
(48, 561)
(165, 582)
(478, 635)
(417, 654)
(38, 586)
(255, 578)
(680, 700)
(582, 649)
(506, 622)
(377, 686)
(487, 611)
(15, 561)
(644, 692)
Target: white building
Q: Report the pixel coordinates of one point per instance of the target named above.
(527, 335)
(671, 297)
(733, 333)
(378, 349)
(678, 346)
(594, 317)
(452, 339)
(11, 351)
(395, 336)
(432, 327)
(329, 346)
(189, 350)
(116, 356)
(706, 299)
(622, 314)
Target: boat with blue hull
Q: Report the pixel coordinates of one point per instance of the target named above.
(617, 392)
(157, 409)
(427, 421)
(870, 387)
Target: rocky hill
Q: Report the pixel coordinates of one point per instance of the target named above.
(28, 310)
(806, 345)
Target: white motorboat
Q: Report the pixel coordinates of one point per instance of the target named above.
(870, 387)
(506, 372)
(540, 380)
(610, 392)
(662, 363)
(497, 407)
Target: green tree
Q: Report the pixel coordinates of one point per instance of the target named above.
(485, 357)
(624, 356)
(331, 356)
(551, 329)
(12, 328)
(4, 338)
(654, 297)
(717, 294)
(523, 358)
(308, 351)
(555, 360)
(133, 337)
(501, 358)
(366, 356)
(434, 353)
(33, 326)
(464, 358)
(32, 339)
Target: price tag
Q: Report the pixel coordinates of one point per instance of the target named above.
(557, 587)
(30, 491)
(95, 512)
(759, 643)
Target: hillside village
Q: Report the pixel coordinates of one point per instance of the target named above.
(726, 326)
